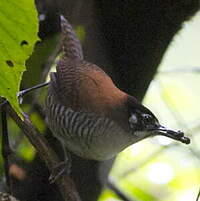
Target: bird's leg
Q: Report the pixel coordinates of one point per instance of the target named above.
(25, 91)
(20, 94)
(61, 168)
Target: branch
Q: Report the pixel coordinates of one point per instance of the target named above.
(198, 195)
(146, 160)
(64, 183)
(6, 151)
(118, 192)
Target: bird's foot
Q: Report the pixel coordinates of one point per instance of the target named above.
(59, 170)
(21, 94)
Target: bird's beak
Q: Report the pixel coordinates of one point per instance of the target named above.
(176, 135)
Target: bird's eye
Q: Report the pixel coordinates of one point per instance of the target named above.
(147, 118)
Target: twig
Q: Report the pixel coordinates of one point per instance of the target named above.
(111, 186)
(198, 195)
(183, 69)
(6, 151)
(175, 113)
(148, 159)
(65, 183)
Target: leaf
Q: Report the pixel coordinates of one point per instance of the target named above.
(18, 34)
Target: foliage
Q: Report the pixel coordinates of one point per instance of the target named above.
(18, 34)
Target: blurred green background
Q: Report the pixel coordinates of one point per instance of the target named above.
(159, 169)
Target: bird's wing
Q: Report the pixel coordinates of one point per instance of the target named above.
(83, 86)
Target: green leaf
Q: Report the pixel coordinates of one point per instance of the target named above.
(18, 34)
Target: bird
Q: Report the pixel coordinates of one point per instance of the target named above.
(88, 114)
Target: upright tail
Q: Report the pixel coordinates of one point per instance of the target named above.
(71, 45)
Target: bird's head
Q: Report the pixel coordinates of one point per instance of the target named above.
(143, 123)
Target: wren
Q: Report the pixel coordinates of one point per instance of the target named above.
(89, 114)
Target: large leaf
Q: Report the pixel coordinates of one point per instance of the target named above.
(18, 34)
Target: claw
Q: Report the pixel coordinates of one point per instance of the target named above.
(59, 170)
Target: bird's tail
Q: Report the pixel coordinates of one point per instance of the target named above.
(71, 45)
